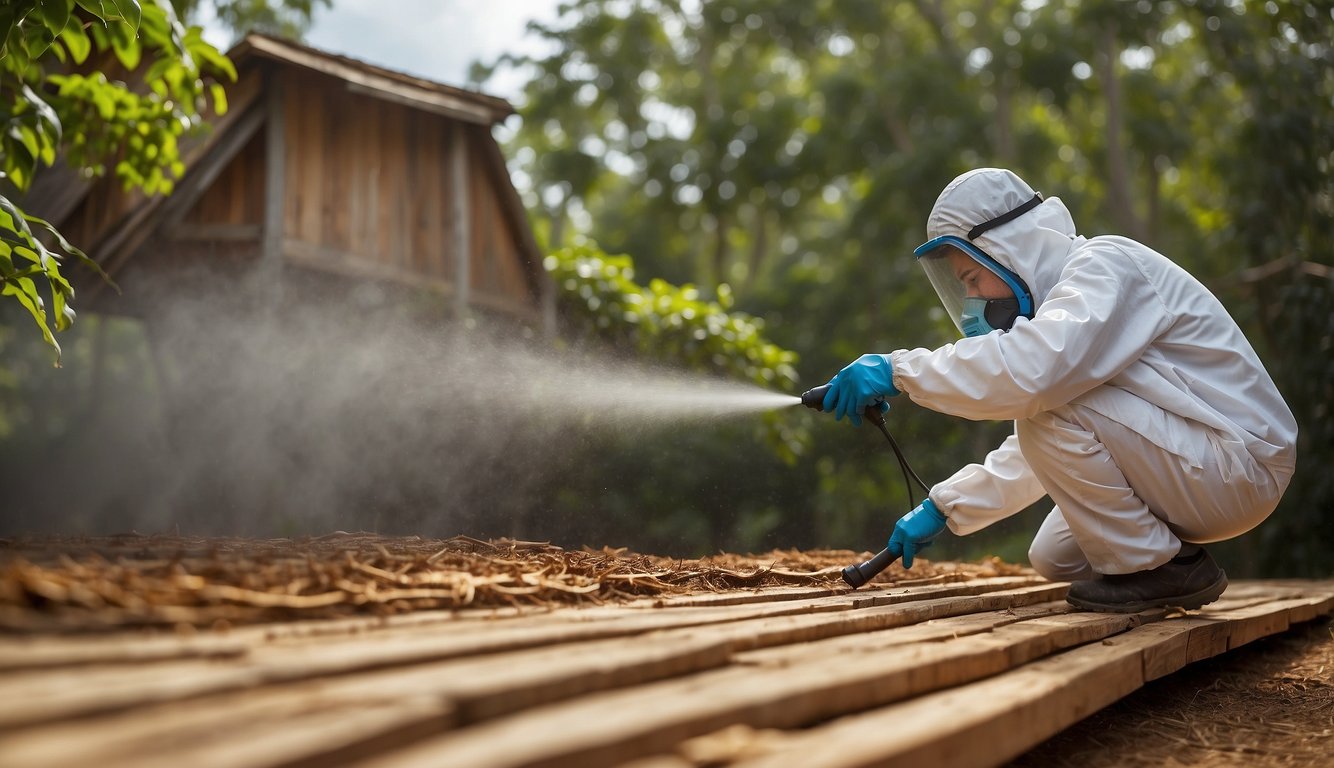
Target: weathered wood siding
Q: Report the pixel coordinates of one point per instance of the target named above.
(234, 205)
(368, 190)
(495, 257)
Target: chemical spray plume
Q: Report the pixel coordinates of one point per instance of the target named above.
(589, 388)
(338, 413)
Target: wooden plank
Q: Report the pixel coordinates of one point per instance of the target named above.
(476, 689)
(298, 696)
(613, 727)
(29, 698)
(969, 726)
(290, 736)
(989, 722)
(465, 690)
(786, 630)
(40, 652)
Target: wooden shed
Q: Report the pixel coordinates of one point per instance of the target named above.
(329, 165)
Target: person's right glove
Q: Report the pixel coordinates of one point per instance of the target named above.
(868, 380)
(915, 530)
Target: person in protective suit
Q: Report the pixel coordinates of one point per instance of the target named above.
(1139, 406)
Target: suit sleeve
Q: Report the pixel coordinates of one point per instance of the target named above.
(1100, 318)
(981, 494)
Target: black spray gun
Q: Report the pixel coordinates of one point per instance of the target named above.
(857, 575)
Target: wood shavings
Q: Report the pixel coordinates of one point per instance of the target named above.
(71, 583)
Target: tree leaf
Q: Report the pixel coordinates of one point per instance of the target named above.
(77, 42)
(95, 8)
(54, 14)
(127, 47)
(36, 38)
(8, 20)
(25, 290)
(219, 98)
(128, 10)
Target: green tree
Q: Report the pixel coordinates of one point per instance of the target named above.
(58, 100)
(1277, 237)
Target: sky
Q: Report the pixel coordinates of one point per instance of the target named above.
(435, 39)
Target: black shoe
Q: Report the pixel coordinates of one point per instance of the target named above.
(1185, 581)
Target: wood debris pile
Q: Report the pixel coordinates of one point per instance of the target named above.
(91, 583)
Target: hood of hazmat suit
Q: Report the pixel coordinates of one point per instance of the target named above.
(978, 216)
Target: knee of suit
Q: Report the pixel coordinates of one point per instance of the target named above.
(1048, 567)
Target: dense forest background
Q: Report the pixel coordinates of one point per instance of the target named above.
(763, 171)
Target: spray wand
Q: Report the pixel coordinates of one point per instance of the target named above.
(857, 575)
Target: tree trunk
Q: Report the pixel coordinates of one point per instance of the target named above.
(1119, 196)
(1155, 201)
(722, 221)
(558, 216)
(1005, 153)
(759, 245)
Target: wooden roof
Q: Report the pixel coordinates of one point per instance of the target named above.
(387, 84)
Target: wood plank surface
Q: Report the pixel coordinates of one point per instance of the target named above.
(978, 670)
(29, 698)
(989, 722)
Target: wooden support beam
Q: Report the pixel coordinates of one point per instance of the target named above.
(461, 215)
(275, 161)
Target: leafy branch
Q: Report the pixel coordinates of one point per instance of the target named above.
(56, 98)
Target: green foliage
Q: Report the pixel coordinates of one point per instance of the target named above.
(674, 325)
(56, 97)
(666, 322)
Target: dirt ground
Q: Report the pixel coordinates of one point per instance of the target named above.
(1270, 703)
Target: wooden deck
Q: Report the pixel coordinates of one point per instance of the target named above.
(954, 673)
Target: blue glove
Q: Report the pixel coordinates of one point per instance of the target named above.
(915, 530)
(868, 379)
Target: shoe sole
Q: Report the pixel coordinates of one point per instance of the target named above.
(1187, 602)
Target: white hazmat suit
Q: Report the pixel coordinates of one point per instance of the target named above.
(1139, 406)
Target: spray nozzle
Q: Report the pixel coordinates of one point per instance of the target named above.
(814, 399)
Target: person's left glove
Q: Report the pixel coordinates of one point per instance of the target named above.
(915, 530)
(867, 379)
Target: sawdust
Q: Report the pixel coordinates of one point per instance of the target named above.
(82, 584)
(1270, 703)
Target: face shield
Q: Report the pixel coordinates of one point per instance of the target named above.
(976, 306)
